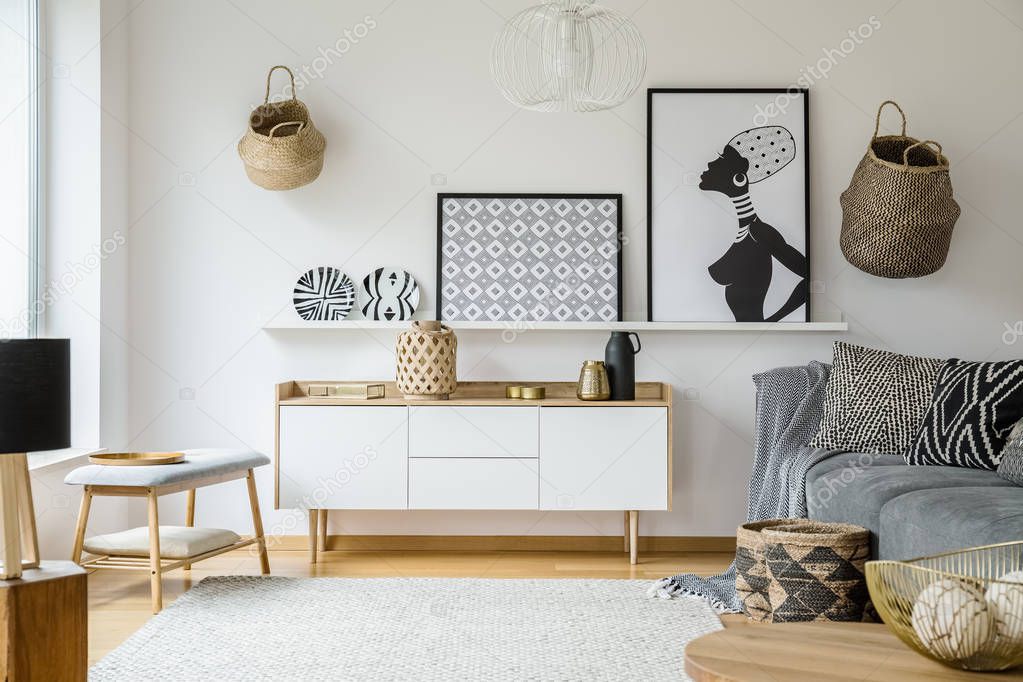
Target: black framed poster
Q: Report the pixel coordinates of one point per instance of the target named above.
(529, 257)
(728, 205)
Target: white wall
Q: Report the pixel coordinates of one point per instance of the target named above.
(411, 104)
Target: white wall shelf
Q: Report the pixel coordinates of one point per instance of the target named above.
(637, 326)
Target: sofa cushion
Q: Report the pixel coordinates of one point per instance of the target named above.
(853, 487)
(928, 522)
(1011, 466)
(975, 406)
(875, 400)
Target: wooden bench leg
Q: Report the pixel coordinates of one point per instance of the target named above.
(155, 577)
(313, 516)
(257, 523)
(323, 530)
(83, 522)
(190, 519)
(633, 537)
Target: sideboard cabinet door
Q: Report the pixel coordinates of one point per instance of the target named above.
(339, 457)
(595, 458)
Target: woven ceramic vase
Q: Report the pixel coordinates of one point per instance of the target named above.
(426, 361)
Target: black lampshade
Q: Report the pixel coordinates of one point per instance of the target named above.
(35, 395)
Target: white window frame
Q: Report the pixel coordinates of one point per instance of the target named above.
(36, 169)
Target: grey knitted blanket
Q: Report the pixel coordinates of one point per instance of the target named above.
(790, 402)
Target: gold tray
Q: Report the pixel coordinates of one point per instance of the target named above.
(134, 459)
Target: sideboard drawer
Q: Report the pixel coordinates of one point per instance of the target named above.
(454, 431)
(485, 483)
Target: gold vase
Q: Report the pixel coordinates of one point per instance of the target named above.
(593, 383)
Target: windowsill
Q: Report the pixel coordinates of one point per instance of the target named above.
(49, 458)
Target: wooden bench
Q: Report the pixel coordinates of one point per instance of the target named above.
(139, 549)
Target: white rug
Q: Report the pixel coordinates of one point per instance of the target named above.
(252, 628)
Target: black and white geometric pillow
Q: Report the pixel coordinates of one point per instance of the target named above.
(875, 400)
(975, 406)
(1011, 466)
(323, 294)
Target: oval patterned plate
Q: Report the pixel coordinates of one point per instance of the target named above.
(389, 294)
(323, 294)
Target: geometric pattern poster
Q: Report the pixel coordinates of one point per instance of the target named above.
(529, 257)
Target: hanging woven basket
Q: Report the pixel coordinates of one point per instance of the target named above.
(282, 149)
(898, 212)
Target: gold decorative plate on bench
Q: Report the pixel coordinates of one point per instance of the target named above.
(132, 459)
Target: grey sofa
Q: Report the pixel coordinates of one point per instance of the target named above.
(914, 511)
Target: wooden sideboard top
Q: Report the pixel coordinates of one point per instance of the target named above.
(479, 393)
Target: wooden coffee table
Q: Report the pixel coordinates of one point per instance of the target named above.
(816, 652)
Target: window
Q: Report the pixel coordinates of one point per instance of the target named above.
(20, 201)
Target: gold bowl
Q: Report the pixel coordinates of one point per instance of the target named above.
(953, 608)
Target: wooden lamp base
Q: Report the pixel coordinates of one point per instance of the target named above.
(17, 518)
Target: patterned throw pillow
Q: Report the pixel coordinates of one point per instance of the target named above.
(975, 406)
(875, 400)
(1011, 466)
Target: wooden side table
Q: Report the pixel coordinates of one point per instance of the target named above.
(817, 652)
(44, 624)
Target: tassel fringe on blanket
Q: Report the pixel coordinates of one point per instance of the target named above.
(790, 403)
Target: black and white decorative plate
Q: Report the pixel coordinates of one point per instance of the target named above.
(389, 294)
(324, 294)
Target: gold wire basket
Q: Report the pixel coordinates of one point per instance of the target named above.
(956, 608)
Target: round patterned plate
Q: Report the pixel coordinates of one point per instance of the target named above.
(324, 294)
(388, 294)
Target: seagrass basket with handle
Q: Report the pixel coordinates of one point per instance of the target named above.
(282, 149)
(963, 608)
(898, 212)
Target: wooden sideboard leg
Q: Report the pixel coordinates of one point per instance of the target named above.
(189, 519)
(323, 530)
(257, 523)
(313, 515)
(626, 533)
(155, 567)
(633, 536)
(83, 522)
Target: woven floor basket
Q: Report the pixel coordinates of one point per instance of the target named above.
(426, 356)
(898, 212)
(751, 579)
(282, 149)
(816, 571)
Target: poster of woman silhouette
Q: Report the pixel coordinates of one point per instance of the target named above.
(728, 205)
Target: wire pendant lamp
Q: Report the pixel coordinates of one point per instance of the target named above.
(568, 55)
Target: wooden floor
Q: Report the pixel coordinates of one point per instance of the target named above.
(119, 600)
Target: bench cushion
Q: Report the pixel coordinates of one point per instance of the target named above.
(176, 542)
(198, 464)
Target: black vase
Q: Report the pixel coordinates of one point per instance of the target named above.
(620, 360)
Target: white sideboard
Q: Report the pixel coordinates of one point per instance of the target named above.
(476, 451)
